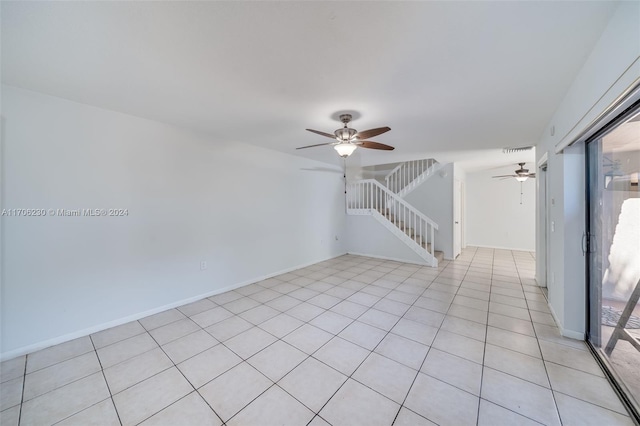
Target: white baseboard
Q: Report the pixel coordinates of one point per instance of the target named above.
(555, 317)
(544, 285)
(501, 248)
(375, 256)
(90, 330)
(571, 334)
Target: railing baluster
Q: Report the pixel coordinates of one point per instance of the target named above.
(364, 196)
(370, 204)
(432, 242)
(404, 216)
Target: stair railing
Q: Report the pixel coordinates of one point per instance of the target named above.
(370, 197)
(405, 174)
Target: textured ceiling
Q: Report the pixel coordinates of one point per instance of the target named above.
(454, 80)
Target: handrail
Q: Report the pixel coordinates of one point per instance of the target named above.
(398, 199)
(398, 167)
(404, 175)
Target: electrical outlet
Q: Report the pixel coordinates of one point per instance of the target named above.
(203, 265)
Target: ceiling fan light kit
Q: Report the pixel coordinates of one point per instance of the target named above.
(348, 139)
(345, 149)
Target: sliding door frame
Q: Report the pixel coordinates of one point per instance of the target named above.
(631, 405)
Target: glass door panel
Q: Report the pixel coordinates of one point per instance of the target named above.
(613, 242)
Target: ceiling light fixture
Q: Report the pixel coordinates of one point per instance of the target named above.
(348, 139)
(345, 149)
(521, 174)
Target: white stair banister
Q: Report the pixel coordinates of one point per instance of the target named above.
(408, 175)
(370, 197)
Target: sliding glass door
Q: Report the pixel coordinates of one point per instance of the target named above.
(613, 243)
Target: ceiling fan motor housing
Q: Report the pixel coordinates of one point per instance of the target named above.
(345, 134)
(522, 170)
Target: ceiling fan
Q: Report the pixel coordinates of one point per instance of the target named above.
(348, 139)
(521, 174)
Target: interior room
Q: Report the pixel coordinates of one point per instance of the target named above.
(319, 213)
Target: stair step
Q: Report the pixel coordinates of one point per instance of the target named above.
(410, 232)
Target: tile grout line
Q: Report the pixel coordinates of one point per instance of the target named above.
(24, 377)
(483, 366)
(486, 333)
(24, 380)
(105, 381)
(370, 351)
(353, 320)
(429, 348)
(544, 365)
(145, 331)
(316, 414)
(336, 335)
(181, 373)
(280, 339)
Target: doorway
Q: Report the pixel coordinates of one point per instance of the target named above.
(457, 217)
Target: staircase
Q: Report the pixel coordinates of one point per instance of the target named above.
(370, 197)
(409, 175)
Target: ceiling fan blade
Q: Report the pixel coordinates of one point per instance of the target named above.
(366, 134)
(374, 145)
(318, 144)
(318, 132)
(504, 176)
(532, 175)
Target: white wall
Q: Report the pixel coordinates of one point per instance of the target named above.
(248, 212)
(495, 217)
(434, 198)
(611, 67)
(367, 236)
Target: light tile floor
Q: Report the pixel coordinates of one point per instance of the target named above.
(350, 341)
